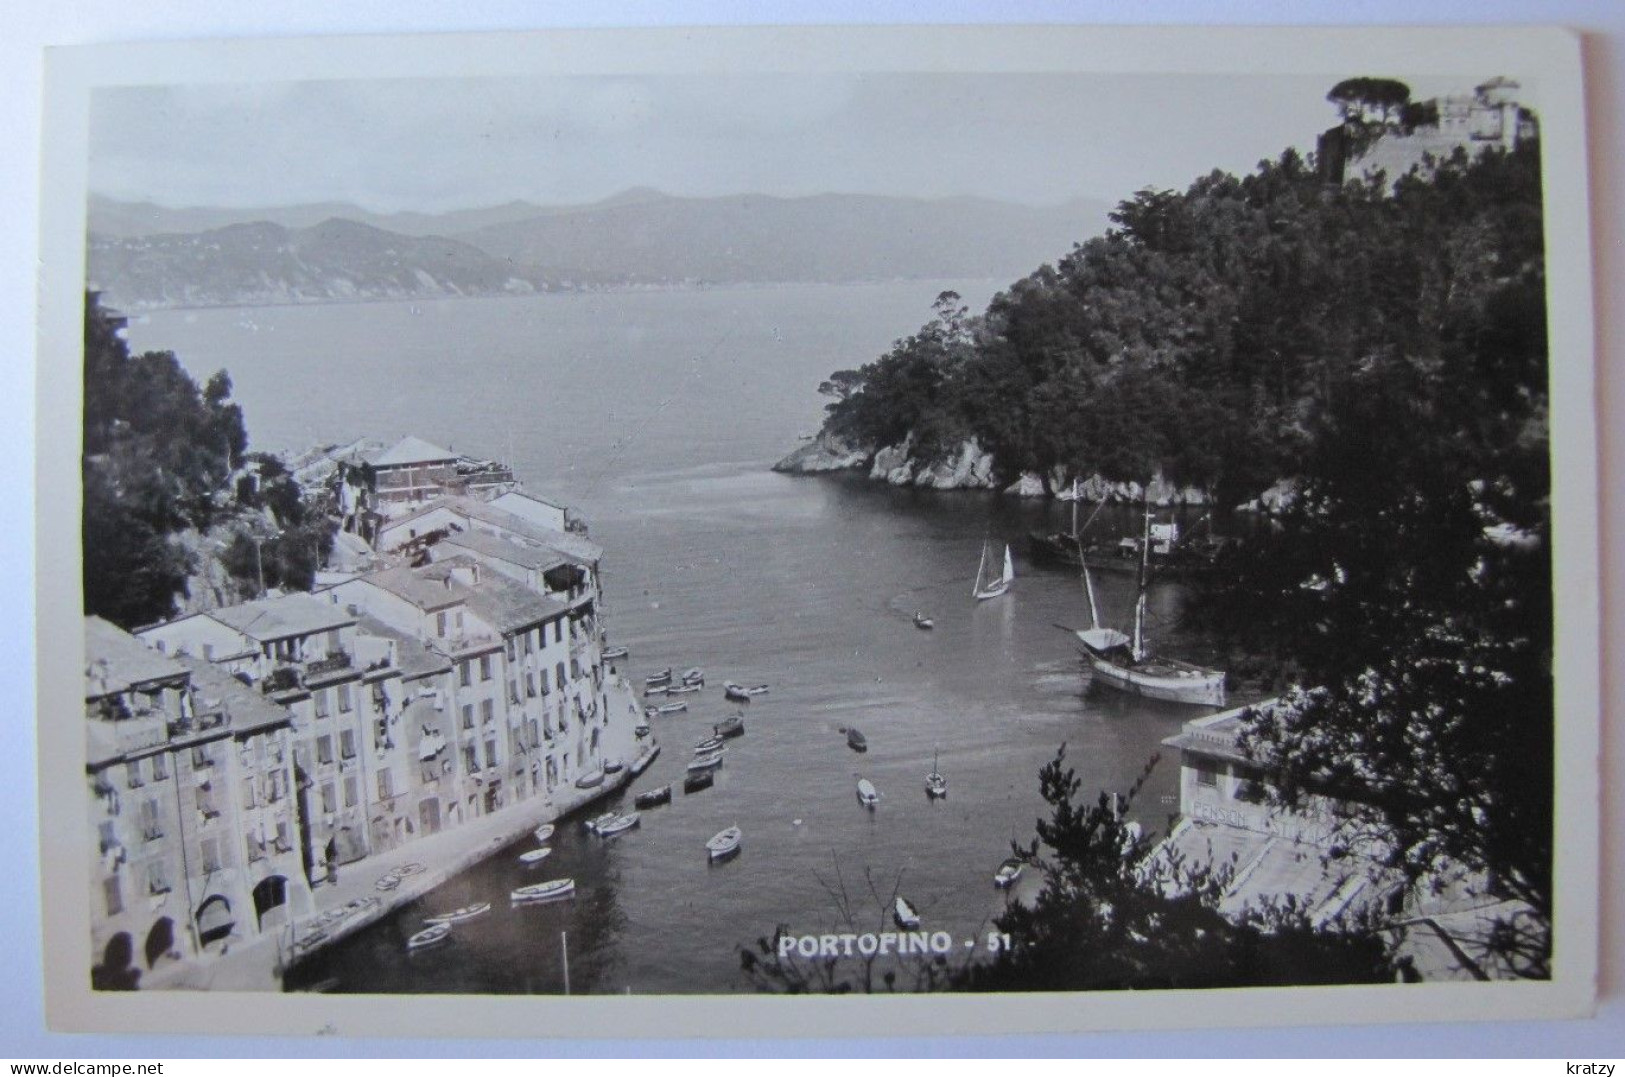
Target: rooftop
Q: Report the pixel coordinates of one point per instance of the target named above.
(412, 450)
(266, 619)
(411, 656)
(116, 661)
(525, 555)
(509, 606)
(581, 550)
(429, 588)
(249, 710)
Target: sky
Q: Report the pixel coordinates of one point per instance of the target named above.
(437, 145)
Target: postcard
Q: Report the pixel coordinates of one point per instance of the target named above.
(817, 531)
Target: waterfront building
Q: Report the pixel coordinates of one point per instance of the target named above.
(1323, 854)
(378, 485)
(190, 781)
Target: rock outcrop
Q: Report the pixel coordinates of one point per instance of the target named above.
(824, 453)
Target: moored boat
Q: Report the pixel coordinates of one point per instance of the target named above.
(429, 936)
(651, 798)
(708, 761)
(645, 757)
(740, 694)
(989, 585)
(698, 781)
(599, 820)
(548, 891)
(590, 780)
(731, 726)
(694, 676)
(543, 832)
(867, 794)
(856, 740)
(935, 784)
(535, 856)
(663, 677)
(614, 767)
(709, 744)
(922, 621)
(656, 690)
(725, 843)
(682, 689)
(672, 708)
(907, 918)
(457, 916)
(619, 825)
(612, 653)
(1008, 872)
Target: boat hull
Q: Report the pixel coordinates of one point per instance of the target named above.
(1164, 679)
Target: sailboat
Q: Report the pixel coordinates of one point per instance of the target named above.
(993, 586)
(935, 784)
(1122, 662)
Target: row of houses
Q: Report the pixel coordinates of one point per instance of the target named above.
(240, 757)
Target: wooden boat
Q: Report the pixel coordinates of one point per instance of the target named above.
(904, 913)
(708, 761)
(457, 916)
(731, 726)
(935, 784)
(672, 708)
(614, 767)
(543, 832)
(619, 825)
(726, 843)
(696, 782)
(1167, 555)
(641, 729)
(645, 757)
(548, 891)
(1125, 663)
(612, 653)
(535, 856)
(682, 689)
(1008, 873)
(989, 585)
(867, 795)
(388, 882)
(599, 820)
(590, 780)
(739, 693)
(658, 678)
(694, 676)
(709, 744)
(656, 690)
(429, 936)
(652, 798)
(856, 740)
(922, 621)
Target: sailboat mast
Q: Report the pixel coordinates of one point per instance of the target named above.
(1145, 566)
(1089, 589)
(981, 567)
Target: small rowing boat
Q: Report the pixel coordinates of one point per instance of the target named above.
(599, 820)
(645, 757)
(662, 677)
(740, 693)
(535, 856)
(867, 794)
(652, 798)
(590, 780)
(672, 708)
(695, 782)
(619, 825)
(612, 653)
(457, 916)
(683, 689)
(856, 740)
(726, 843)
(1008, 873)
(905, 914)
(429, 936)
(548, 891)
(543, 832)
(709, 744)
(923, 622)
(708, 761)
(694, 676)
(731, 726)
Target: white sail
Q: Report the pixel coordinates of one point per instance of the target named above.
(1009, 568)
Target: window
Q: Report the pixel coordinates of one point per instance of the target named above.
(468, 716)
(319, 697)
(113, 895)
(324, 749)
(558, 631)
(284, 837)
(465, 673)
(152, 827)
(132, 774)
(329, 798)
(248, 793)
(347, 743)
(205, 803)
(157, 878)
(160, 768)
(1206, 775)
(528, 648)
(276, 788)
(575, 669)
(200, 758)
(485, 667)
(534, 739)
(211, 854)
(332, 641)
(558, 673)
(344, 699)
(490, 751)
(487, 711)
(513, 650)
(440, 625)
(471, 756)
(385, 788)
(352, 790)
(530, 685)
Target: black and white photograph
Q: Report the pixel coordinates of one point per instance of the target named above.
(983, 515)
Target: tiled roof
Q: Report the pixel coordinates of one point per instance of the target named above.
(429, 588)
(249, 710)
(509, 606)
(115, 661)
(581, 550)
(283, 616)
(524, 555)
(412, 657)
(412, 450)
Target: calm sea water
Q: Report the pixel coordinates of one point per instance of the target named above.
(658, 415)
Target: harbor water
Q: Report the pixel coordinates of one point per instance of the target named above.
(657, 415)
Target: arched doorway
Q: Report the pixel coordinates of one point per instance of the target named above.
(214, 919)
(160, 940)
(115, 973)
(270, 901)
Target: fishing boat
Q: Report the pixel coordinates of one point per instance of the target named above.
(1166, 553)
(740, 693)
(683, 689)
(856, 740)
(645, 757)
(923, 622)
(1124, 662)
(1008, 873)
(590, 780)
(619, 825)
(548, 891)
(731, 726)
(613, 767)
(656, 690)
(709, 744)
(663, 677)
(693, 783)
(694, 676)
(429, 936)
(612, 653)
(457, 916)
(726, 843)
(935, 784)
(671, 708)
(651, 798)
(989, 585)
(599, 820)
(535, 856)
(904, 913)
(867, 795)
(543, 832)
(708, 761)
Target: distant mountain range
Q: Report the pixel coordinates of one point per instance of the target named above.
(144, 256)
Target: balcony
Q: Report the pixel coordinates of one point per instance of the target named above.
(338, 660)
